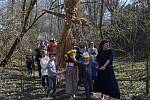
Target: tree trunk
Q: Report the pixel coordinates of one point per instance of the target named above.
(101, 18)
(66, 43)
(67, 39)
(12, 49)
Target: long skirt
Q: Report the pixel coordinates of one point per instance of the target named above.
(71, 80)
(107, 84)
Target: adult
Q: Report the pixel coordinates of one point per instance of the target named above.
(52, 46)
(106, 82)
(92, 49)
(41, 46)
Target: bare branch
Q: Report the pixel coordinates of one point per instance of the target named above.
(124, 4)
(24, 30)
(108, 7)
(89, 2)
(37, 18)
(76, 20)
(52, 3)
(55, 13)
(34, 21)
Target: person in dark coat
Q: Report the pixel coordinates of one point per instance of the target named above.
(86, 76)
(30, 62)
(94, 69)
(106, 82)
(41, 46)
(78, 57)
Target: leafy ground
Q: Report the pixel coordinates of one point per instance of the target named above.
(16, 84)
(132, 79)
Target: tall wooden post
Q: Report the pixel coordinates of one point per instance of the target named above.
(147, 63)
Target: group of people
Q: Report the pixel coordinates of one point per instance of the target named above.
(90, 68)
(31, 58)
(94, 71)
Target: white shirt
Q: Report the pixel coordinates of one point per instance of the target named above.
(91, 50)
(51, 68)
(44, 62)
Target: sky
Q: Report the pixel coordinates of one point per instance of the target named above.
(128, 1)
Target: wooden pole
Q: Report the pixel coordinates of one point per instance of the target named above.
(147, 71)
(147, 65)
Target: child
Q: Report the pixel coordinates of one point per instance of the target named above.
(94, 69)
(71, 74)
(87, 66)
(44, 72)
(30, 62)
(52, 74)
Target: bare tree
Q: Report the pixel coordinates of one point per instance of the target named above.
(101, 18)
(25, 28)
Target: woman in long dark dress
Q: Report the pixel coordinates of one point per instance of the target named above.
(106, 82)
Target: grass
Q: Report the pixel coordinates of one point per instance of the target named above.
(15, 83)
(131, 78)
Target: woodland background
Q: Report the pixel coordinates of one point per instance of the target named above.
(126, 23)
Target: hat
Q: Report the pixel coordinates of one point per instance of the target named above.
(92, 42)
(86, 55)
(71, 52)
(52, 54)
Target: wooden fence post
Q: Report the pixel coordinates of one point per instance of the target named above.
(147, 71)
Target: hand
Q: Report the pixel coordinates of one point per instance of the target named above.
(59, 72)
(102, 68)
(62, 71)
